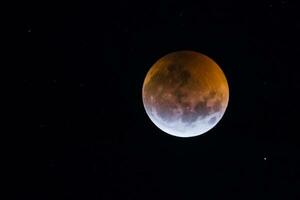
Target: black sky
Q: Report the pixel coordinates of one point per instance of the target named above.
(83, 131)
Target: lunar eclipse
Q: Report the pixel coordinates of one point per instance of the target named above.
(185, 93)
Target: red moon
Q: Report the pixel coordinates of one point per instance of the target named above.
(185, 93)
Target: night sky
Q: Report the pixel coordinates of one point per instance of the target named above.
(83, 132)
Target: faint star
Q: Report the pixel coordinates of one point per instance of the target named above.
(126, 30)
(284, 3)
(265, 158)
(43, 125)
(29, 30)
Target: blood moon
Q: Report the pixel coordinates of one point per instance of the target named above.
(185, 93)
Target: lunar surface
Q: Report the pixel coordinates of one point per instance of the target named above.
(185, 93)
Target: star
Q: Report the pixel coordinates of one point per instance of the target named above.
(43, 125)
(284, 3)
(126, 30)
(265, 158)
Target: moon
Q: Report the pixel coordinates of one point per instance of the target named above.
(185, 93)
